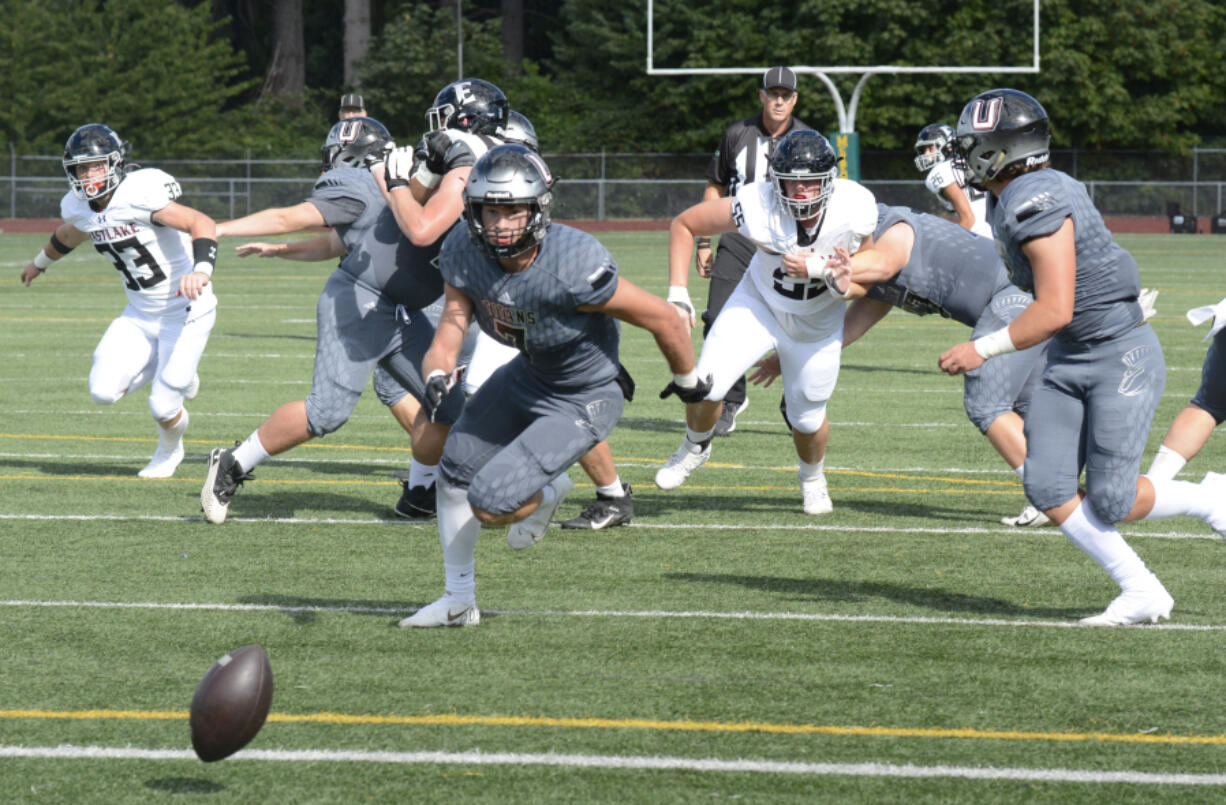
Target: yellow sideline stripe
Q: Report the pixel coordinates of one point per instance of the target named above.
(455, 719)
(139, 440)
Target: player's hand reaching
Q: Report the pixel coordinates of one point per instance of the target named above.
(29, 273)
(765, 371)
(261, 249)
(960, 359)
(688, 390)
(438, 385)
(838, 272)
(704, 258)
(192, 284)
(399, 167)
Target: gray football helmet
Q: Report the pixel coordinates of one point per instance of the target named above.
(935, 143)
(94, 142)
(504, 175)
(1002, 127)
(519, 129)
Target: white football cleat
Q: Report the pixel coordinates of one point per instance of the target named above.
(680, 464)
(1029, 518)
(528, 531)
(193, 389)
(816, 496)
(1214, 484)
(447, 611)
(1147, 603)
(169, 454)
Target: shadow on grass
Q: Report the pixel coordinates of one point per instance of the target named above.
(707, 506)
(934, 599)
(279, 503)
(185, 785)
(304, 610)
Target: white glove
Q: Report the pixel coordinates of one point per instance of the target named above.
(679, 295)
(1199, 315)
(400, 164)
(1148, 300)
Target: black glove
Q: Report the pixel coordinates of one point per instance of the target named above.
(697, 393)
(438, 386)
(433, 151)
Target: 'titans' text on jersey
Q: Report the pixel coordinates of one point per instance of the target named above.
(851, 216)
(150, 258)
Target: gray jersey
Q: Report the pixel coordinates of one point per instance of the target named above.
(349, 201)
(535, 310)
(386, 261)
(1036, 204)
(951, 271)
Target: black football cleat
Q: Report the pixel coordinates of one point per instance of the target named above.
(417, 502)
(221, 484)
(606, 512)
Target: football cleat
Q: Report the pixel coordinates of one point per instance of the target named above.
(727, 417)
(606, 512)
(447, 611)
(528, 531)
(816, 496)
(680, 464)
(1029, 518)
(221, 484)
(1214, 483)
(1147, 603)
(417, 502)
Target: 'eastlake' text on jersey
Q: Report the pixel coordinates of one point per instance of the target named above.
(851, 215)
(150, 258)
(535, 310)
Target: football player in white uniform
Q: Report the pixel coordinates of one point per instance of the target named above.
(947, 178)
(783, 302)
(165, 253)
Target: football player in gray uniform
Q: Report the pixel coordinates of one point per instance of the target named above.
(1195, 423)
(925, 264)
(554, 293)
(1105, 371)
(165, 253)
(368, 315)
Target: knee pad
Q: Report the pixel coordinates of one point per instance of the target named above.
(105, 391)
(164, 401)
(982, 416)
(810, 418)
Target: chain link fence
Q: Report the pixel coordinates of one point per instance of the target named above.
(650, 185)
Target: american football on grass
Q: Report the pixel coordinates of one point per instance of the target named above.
(231, 703)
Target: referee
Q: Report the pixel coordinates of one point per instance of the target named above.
(742, 157)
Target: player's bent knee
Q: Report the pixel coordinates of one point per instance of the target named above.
(324, 418)
(165, 405)
(105, 391)
(982, 417)
(807, 421)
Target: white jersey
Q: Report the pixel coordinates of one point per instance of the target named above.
(150, 258)
(851, 216)
(942, 175)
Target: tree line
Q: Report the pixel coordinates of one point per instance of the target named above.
(228, 78)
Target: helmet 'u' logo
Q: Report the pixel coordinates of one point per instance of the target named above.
(985, 114)
(348, 130)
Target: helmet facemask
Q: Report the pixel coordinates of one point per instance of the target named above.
(509, 175)
(804, 209)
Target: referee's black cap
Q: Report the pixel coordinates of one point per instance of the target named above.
(779, 77)
(352, 100)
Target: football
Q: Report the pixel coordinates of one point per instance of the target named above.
(231, 703)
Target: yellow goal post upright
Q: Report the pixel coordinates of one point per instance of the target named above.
(846, 140)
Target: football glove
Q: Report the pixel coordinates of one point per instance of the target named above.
(438, 385)
(432, 150)
(689, 394)
(399, 166)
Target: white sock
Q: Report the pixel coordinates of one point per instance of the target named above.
(1167, 464)
(613, 490)
(458, 530)
(1020, 469)
(810, 471)
(421, 474)
(697, 440)
(251, 453)
(1104, 544)
(1173, 498)
(168, 437)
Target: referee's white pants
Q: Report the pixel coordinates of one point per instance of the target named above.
(809, 347)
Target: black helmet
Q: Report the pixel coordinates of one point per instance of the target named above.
(804, 154)
(355, 141)
(1002, 127)
(940, 135)
(509, 174)
(94, 142)
(470, 104)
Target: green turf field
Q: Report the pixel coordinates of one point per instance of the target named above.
(906, 648)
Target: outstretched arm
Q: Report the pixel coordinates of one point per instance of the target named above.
(710, 217)
(65, 238)
(633, 305)
(309, 250)
(273, 221)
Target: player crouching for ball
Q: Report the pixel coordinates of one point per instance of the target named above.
(554, 294)
(797, 221)
(165, 254)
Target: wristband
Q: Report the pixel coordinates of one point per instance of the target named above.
(41, 260)
(815, 265)
(435, 373)
(204, 254)
(702, 242)
(993, 344)
(688, 380)
(59, 245)
(679, 295)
